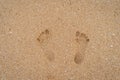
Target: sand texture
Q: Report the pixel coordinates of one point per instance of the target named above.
(59, 39)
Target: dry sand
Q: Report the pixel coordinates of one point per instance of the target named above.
(59, 39)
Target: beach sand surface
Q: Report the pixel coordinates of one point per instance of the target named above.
(59, 39)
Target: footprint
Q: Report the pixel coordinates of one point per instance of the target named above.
(43, 40)
(50, 55)
(81, 41)
(43, 37)
(51, 77)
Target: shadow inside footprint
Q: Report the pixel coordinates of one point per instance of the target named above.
(81, 37)
(43, 41)
(43, 36)
(81, 42)
(78, 58)
(50, 77)
(49, 55)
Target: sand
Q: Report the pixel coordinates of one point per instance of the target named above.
(59, 39)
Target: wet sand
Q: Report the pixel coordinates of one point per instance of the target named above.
(59, 40)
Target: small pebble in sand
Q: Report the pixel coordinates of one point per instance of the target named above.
(111, 46)
(113, 34)
(65, 71)
(10, 32)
